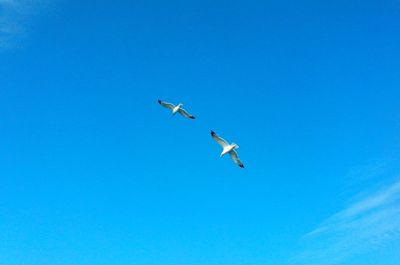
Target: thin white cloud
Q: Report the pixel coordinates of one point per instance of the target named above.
(14, 19)
(366, 225)
(377, 200)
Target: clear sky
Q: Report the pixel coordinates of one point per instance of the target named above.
(94, 171)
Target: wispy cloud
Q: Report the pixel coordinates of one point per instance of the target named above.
(368, 224)
(14, 19)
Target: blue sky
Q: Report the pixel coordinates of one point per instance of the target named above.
(94, 171)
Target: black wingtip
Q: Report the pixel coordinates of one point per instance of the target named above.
(212, 133)
(192, 117)
(159, 101)
(242, 166)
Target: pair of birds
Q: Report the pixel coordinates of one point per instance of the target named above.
(226, 147)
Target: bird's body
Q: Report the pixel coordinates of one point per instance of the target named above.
(176, 109)
(228, 149)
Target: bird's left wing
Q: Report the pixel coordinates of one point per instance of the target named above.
(186, 114)
(166, 104)
(222, 142)
(236, 159)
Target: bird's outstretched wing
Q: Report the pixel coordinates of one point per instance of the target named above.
(219, 140)
(166, 104)
(236, 159)
(186, 114)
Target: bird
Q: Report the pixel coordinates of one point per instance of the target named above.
(228, 148)
(176, 109)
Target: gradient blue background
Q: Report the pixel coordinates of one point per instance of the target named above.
(94, 171)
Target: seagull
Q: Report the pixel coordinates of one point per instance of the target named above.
(228, 148)
(175, 109)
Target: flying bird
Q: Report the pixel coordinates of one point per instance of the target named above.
(228, 148)
(176, 108)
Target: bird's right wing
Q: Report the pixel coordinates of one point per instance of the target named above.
(166, 104)
(186, 114)
(236, 159)
(219, 140)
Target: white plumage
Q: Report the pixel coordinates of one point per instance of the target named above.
(228, 148)
(176, 109)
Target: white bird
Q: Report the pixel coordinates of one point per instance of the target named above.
(228, 148)
(176, 108)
